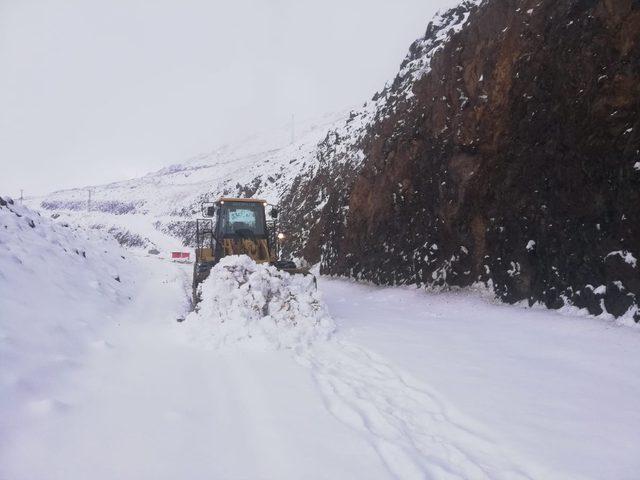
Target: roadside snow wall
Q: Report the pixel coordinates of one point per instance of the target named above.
(59, 287)
(260, 305)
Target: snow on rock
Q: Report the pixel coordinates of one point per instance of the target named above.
(246, 302)
(626, 256)
(418, 62)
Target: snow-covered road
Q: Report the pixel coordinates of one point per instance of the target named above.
(145, 404)
(557, 394)
(412, 385)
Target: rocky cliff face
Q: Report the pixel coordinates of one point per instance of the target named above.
(507, 151)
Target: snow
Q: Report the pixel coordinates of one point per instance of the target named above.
(627, 256)
(558, 392)
(146, 403)
(58, 288)
(444, 24)
(246, 302)
(636, 166)
(514, 270)
(271, 378)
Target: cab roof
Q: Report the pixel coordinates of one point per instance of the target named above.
(246, 200)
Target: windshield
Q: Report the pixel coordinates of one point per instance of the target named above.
(242, 219)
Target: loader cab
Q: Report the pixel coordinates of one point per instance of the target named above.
(236, 226)
(240, 219)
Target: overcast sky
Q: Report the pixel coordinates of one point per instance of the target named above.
(98, 90)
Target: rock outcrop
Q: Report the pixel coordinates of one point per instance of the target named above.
(507, 151)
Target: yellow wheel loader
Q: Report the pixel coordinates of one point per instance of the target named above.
(237, 226)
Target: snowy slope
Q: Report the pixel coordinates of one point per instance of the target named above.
(154, 210)
(58, 287)
(158, 210)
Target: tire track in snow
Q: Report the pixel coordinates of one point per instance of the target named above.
(415, 433)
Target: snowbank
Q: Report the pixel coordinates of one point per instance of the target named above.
(58, 286)
(244, 302)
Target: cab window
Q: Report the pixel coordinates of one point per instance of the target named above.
(243, 219)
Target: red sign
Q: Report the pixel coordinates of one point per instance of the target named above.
(180, 254)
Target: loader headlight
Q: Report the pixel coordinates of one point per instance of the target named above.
(281, 236)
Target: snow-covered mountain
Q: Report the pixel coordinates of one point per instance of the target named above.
(156, 210)
(469, 167)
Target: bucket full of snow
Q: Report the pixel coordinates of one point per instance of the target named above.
(258, 305)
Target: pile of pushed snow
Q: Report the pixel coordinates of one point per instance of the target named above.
(246, 302)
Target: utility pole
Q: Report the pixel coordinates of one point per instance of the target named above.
(293, 128)
(21, 195)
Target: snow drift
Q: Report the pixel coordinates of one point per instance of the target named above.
(245, 302)
(57, 287)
